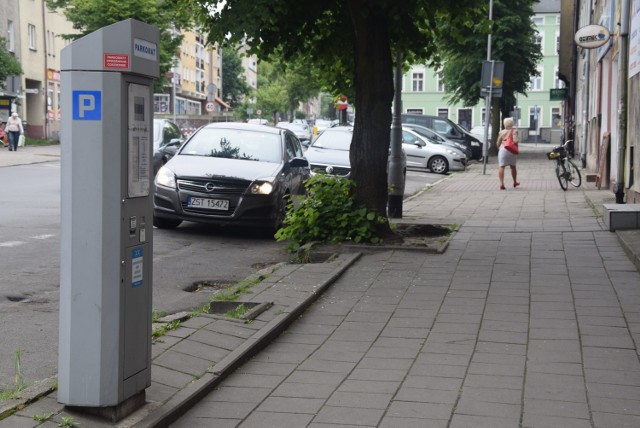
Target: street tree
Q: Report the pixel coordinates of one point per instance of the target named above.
(356, 38)
(272, 99)
(9, 66)
(90, 15)
(513, 38)
(235, 88)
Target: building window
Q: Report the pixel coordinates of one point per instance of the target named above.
(418, 82)
(534, 117)
(415, 111)
(538, 20)
(11, 40)
(536, 81)
(558, 83)
(32, 37)
(516, 114)
(443, 113)
(161, 103)
(440, 81)
(557, 42)
(556, 117)
(537, 39)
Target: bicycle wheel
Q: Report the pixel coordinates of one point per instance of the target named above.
(561, 173)
(574, 174)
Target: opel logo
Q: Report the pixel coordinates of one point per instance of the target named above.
(210, 187)
(329, 170)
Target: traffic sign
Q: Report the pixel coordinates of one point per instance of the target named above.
(210, 107)
(492, 82)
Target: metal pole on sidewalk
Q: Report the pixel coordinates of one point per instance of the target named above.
(487, 102)
(396, 177)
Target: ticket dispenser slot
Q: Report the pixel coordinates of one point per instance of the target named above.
(106, 206)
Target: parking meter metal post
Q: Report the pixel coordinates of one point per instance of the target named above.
(106, 219)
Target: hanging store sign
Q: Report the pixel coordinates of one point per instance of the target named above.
(592, 36)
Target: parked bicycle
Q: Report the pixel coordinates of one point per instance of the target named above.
(566, 171)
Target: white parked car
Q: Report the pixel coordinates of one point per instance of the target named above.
(425, 153)
(478, 132)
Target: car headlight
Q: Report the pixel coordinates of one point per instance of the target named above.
(261, 187)
(475, 144)
(165, 177)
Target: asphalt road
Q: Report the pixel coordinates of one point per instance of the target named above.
(30, 254)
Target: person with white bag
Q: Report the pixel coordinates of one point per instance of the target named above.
(15, 130)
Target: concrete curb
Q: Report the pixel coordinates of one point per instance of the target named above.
(630, 241)
(175, 407)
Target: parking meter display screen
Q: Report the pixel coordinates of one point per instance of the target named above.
(139, 141)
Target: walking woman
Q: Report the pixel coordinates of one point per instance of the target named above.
(15, 130)
(505, 157)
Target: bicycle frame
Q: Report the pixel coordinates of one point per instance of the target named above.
(566, 171)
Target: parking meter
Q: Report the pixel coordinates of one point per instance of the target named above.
(106, 218)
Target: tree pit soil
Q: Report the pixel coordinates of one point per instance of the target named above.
(422, 237)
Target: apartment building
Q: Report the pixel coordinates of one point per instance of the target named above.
(9, 29)
(423, 89)
(195, 82)
(33, 36)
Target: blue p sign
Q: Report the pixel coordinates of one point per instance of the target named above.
(87, 105)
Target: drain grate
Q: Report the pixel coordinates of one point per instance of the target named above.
(209, 286)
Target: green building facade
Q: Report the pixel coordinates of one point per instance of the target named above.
(423, 91)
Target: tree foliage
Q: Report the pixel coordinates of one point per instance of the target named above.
(235, 87)
(351, 42)
(9, 66)
(90, 15)
(513, 41)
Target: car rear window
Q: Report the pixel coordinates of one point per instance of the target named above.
(235, 144)
(336, 140)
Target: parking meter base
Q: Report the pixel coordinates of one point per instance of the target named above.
(113, 413)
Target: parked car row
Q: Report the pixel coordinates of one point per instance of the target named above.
(447, 129)
(242, 173)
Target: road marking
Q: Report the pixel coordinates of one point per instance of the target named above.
(11, 243)
(17, 243)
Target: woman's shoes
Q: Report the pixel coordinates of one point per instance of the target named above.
(502, 186)
(516, 184)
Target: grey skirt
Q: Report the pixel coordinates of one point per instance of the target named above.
(505, 157)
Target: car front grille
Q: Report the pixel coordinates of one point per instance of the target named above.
(231, 190)
(337, 170)
(226, 187)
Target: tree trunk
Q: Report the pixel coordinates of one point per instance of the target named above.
(374, 94)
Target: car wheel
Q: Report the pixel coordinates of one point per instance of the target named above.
(165, 223)
(281, 212)
(438, 165)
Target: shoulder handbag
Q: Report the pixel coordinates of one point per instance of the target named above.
(510, 144)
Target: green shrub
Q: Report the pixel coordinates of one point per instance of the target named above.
(327, 214)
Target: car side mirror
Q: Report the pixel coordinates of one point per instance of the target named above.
(298, 163)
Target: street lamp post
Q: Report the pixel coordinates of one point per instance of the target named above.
(487, 102)
(396, 178)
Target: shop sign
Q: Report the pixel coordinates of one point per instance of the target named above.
(592, 36)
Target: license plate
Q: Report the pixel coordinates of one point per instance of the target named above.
(210, 204)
